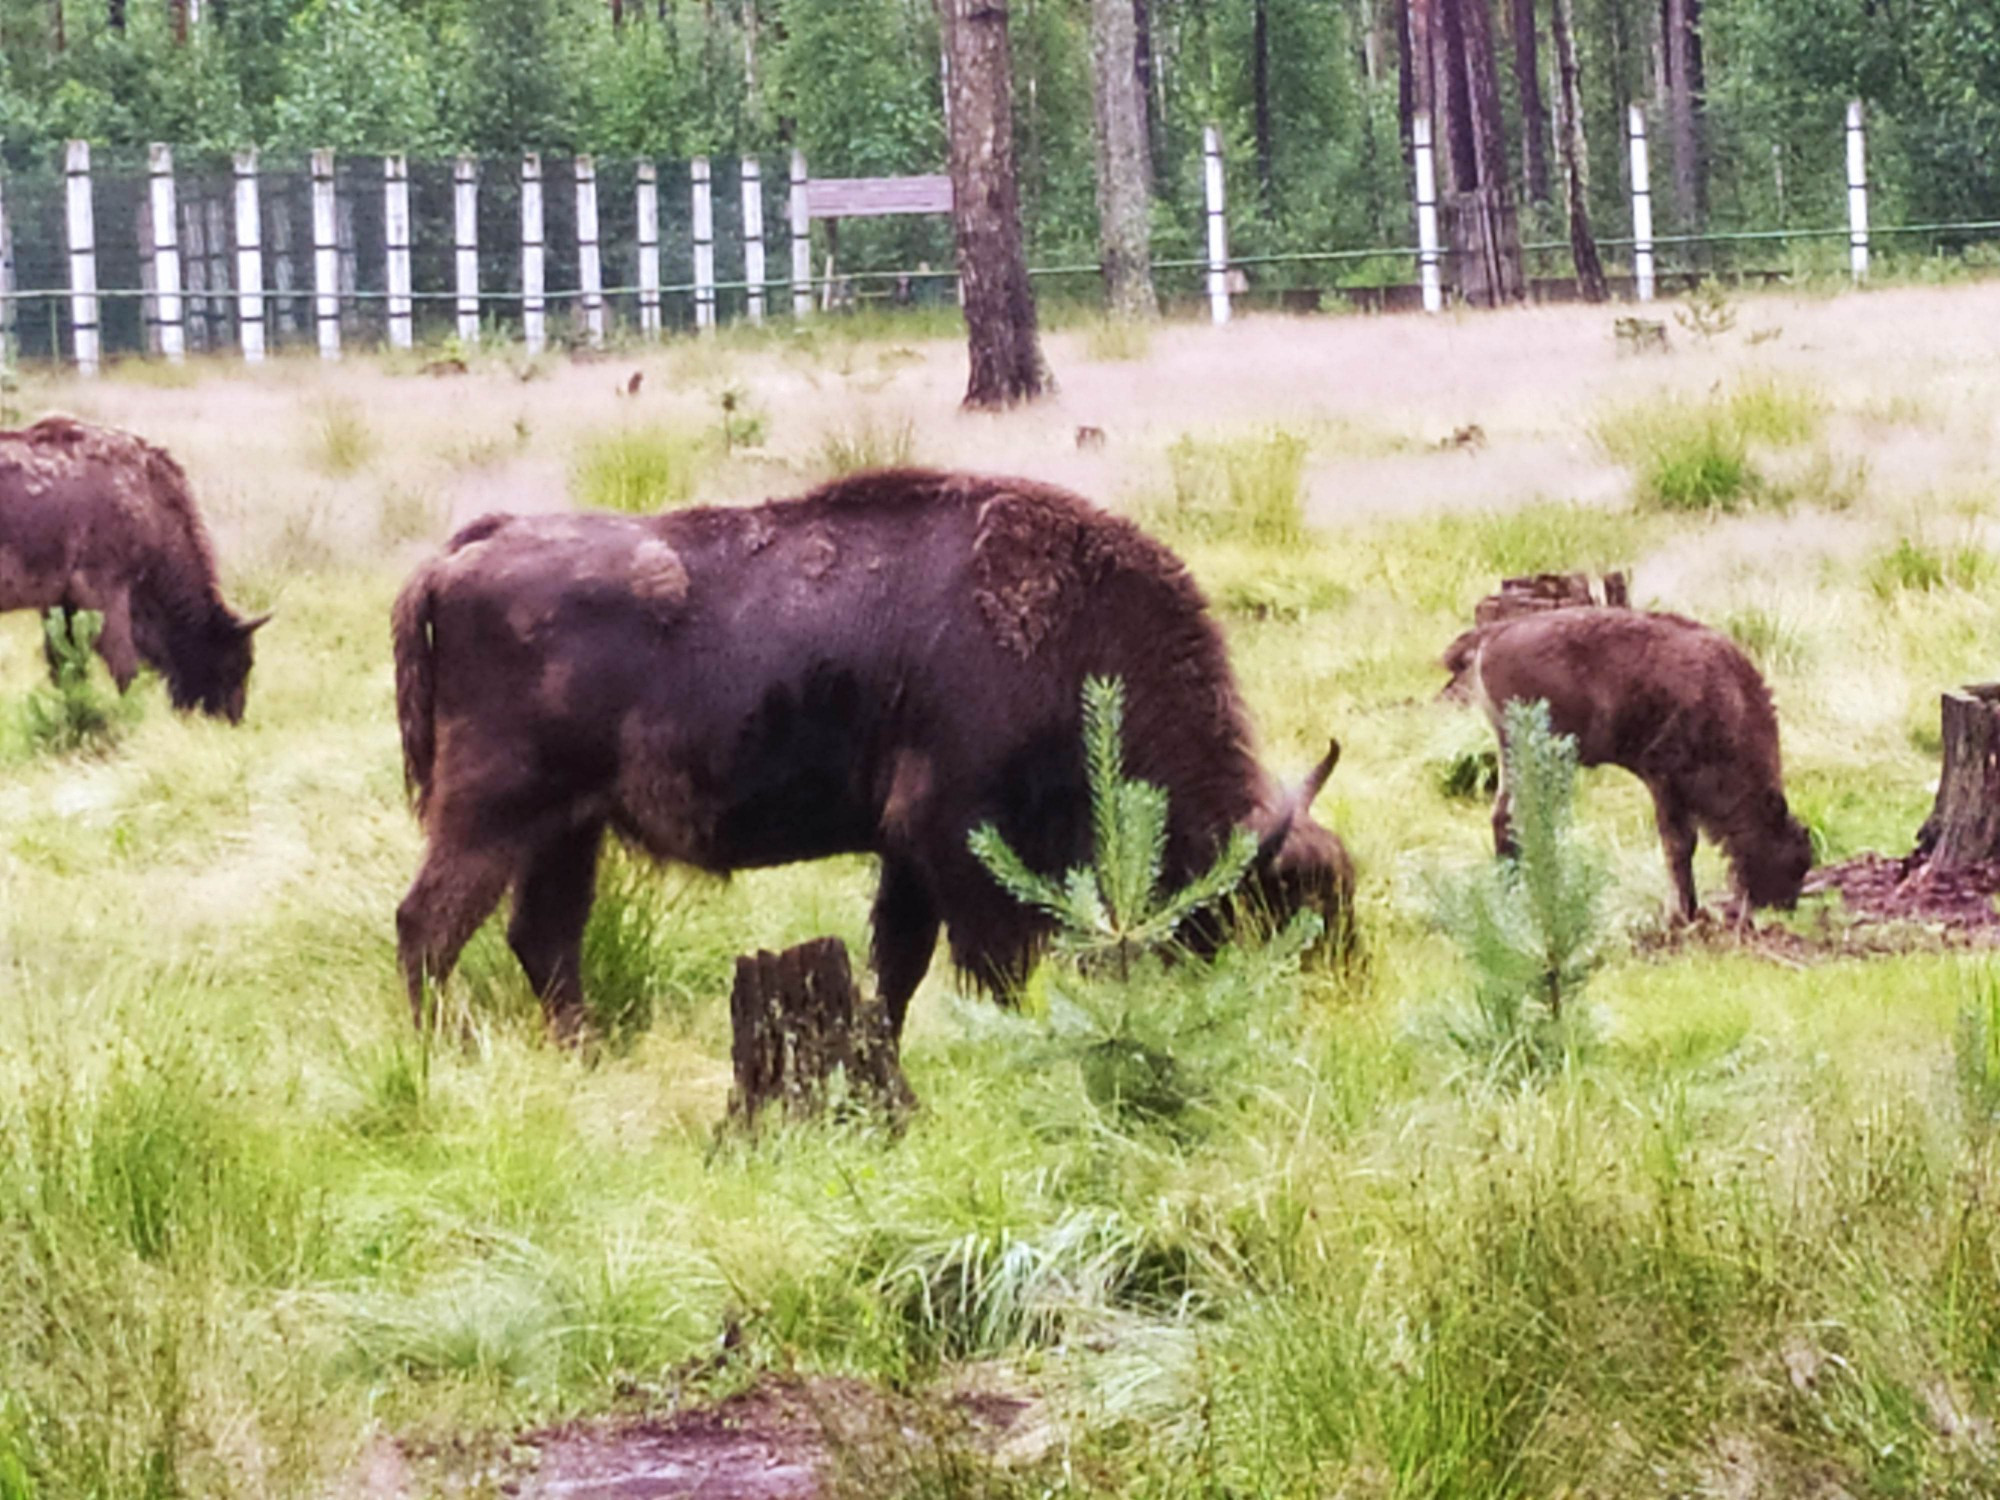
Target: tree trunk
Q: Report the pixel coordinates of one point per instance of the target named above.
(1575, 157)
(1150, 112)
(58, 36)
(796, 1023)
(1260, 96)
(1534, 118)
(1964, 825)
(114, 14)
(1681, 49)
(177, 20)
(1457, 79)
(1124, 223)
(1406, 73)
(999, 302)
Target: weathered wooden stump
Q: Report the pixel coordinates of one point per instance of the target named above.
(798, 1025)
(1964, 825)
(1539, 591)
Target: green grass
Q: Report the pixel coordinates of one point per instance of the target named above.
(248, 1222)
(870, 441)
(1249, 489)
(1697, 454)
(638, 470)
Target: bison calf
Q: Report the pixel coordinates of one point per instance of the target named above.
(1673, 702)
(880, 667)
(94, 519)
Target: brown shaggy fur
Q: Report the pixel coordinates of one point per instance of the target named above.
(1673, 702)
(95, 519)
(879, 666)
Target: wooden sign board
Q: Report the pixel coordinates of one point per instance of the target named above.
(871, 197)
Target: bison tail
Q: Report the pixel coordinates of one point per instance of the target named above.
(416, 681)
(1459, 659)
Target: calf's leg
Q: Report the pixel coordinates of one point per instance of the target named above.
(551, 908)
(1677, 835)
(906, 933)
(455, 890)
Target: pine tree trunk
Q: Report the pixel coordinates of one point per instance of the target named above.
(1124, 221)
(1407, 72)
(1260, 97)
(1006, 356)
(114, 14)
(177, 18)
(1144, 69)
(1964, 825)
(1682, 61)
(1457, 79)
(1575, 151)
(796, 1023)
(1534, 119)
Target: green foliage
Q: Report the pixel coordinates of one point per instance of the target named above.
(342, 441)
(1706, 312)
(1690, 454)
(1250, 488)
(74, 715)
(1530, 926)
(1975, 1050)
(639, 470)
(741, 425)
(358, 77)
(1114, 907)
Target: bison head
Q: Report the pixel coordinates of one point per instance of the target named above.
(1301, 865)
(1771, 862)
(217, 679)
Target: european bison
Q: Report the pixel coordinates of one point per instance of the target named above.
(95, 519)
(1673, 702)
(879, 666)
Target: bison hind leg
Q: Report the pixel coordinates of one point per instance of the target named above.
(551, 908)
(455, 890)
(905, 920)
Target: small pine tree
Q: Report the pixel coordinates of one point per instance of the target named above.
(73, 715)
(1530, 926)
(1114, 907)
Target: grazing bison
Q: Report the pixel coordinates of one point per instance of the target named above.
(96, 519)
(879, 666)
(1673, 702)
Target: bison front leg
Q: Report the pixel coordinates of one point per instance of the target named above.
(1677, 838)
(906, 933)
(454, 892)
(551, 909)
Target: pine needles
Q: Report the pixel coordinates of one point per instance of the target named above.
(73, 715)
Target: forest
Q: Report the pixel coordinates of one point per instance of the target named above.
(1312, 96)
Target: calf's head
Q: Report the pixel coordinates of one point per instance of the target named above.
(214, 675)
(1301, 865)
(1772, 853)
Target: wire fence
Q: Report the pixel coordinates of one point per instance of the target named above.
(296, 253)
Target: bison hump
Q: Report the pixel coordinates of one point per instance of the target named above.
(1024, 568)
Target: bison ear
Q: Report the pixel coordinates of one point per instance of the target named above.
(1316, 778)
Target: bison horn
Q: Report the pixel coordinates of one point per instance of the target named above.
(254, 624)
(1317, 777)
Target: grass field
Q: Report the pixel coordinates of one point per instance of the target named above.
(257, 1240)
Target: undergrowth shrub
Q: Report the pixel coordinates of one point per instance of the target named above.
(868, 442)
(75, 715)
(639, 470)
(1530, 926)
(341, 441)
(1248, 489)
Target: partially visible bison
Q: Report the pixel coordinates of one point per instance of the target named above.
(877, 667)
(95, 519)
(1673, 702)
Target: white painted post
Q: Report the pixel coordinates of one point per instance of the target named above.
(753, 236)
(249, 260)
(1857, 191)
(1218, 226)
(465, 244)
(589, 263)
(82, 225)
(802, 258)
(1642, 208)
(648, 196)
(704, 246)
(326, 257)
(534, 325)
(166, 254)
(396, 240)
(1429, 262)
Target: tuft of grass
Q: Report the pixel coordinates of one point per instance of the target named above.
(1695, 455)
(1107, 339)
(1917, 566)
(411, 513)
(341, 440)
(1249, 489)
(639, 470)
(870, 441)
(1771, 640)
(1976, 1053)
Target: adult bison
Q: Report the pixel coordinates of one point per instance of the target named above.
(92, 518)
(1673, 702)
(879, 666)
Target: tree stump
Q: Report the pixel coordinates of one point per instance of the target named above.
(798, 1025)
(1964, 825)
(1540, 591)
